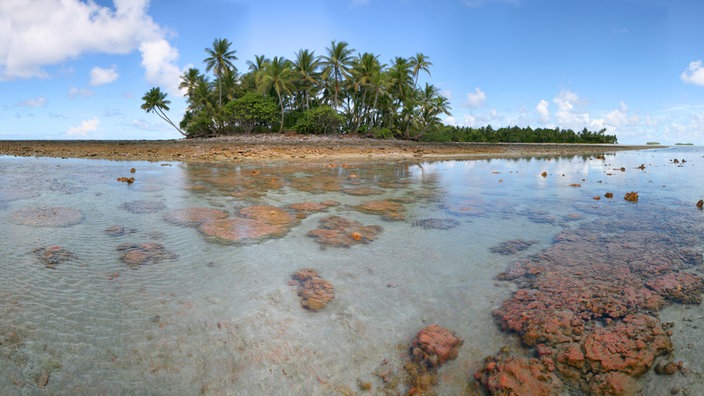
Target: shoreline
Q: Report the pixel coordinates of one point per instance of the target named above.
(268, 147)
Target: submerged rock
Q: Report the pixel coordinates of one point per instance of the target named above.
(315, 292)
(258, 222)
(511, 247)
(118, 230)
(587, 307)
(338, 231)
(436, 224)
(135, 255)
(631, 196)
(143, 207)
(47, 217)
(51, 256)
(193, 217)
(388, 210)
(432, 347)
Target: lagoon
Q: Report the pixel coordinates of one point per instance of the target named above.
(114, 287)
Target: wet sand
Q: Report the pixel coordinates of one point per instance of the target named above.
(267, 147)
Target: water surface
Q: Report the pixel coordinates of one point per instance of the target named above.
(215, 316)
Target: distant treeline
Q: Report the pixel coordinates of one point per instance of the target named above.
(516, 134)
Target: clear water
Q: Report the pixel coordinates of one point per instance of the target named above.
(221, 318)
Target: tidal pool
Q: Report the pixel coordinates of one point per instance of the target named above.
(180, 282)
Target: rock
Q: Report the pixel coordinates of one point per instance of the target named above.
(388, 210)
(135, 255)
(700, 204)
(511, 247)
(665, 367)
(434, 345)
(118, 230)
(47, 217)
(193, 217)
(128, 180)
(362, 191)
(436, 224)
(315, 292)
(338, 231)
(509, 375)
(631, 196)
(587, 305)
(51, 256)
(143, 207)
(681, 287)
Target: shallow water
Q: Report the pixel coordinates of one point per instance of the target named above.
(219, 317)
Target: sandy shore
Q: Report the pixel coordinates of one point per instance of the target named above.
(287, 147)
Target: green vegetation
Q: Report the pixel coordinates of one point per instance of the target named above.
(653, 143)
(684, 144)
(337, 92)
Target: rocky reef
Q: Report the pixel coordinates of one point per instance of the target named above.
(586, 309)
(314, 291)
(337, 231)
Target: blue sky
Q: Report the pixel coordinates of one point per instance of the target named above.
(73, 69)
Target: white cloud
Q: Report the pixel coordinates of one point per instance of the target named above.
(543, 110)
(694, 73)
(567, 116)
(86, 128)
(101, 76)
(476, 99)
(79, 93)
(36, 102)
(158, 59)
(39, 33)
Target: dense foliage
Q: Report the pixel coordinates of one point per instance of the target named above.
(337, 92)
(517, 135)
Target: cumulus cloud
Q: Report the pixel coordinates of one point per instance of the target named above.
(476, 99)
(86, 128)
(79, 93)
(694, 73)
(567, 115)
(36, 102)
(101, 76)
(158, 60)
(39, 33)
(542, 109)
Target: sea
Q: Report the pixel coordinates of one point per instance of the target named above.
(172, 278)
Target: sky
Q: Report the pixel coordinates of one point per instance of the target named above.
(77, 69)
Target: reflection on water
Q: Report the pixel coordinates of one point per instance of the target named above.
(181, 282)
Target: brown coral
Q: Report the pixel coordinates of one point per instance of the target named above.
(315, 292)
(338, 231)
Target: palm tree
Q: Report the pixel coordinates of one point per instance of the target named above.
(336, 66)
(219, 60)
(306, 66)
(278, 75)
(189, 80)
(431, 106)
(155, 101)
(365, 69)
(258, 64)
(418, 63)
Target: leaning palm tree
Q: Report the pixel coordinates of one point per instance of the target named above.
(418, 63)
(336, 66)
(278, 75)
(155, 101)
(219, 61)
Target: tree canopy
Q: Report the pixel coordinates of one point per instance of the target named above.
(340, 91)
